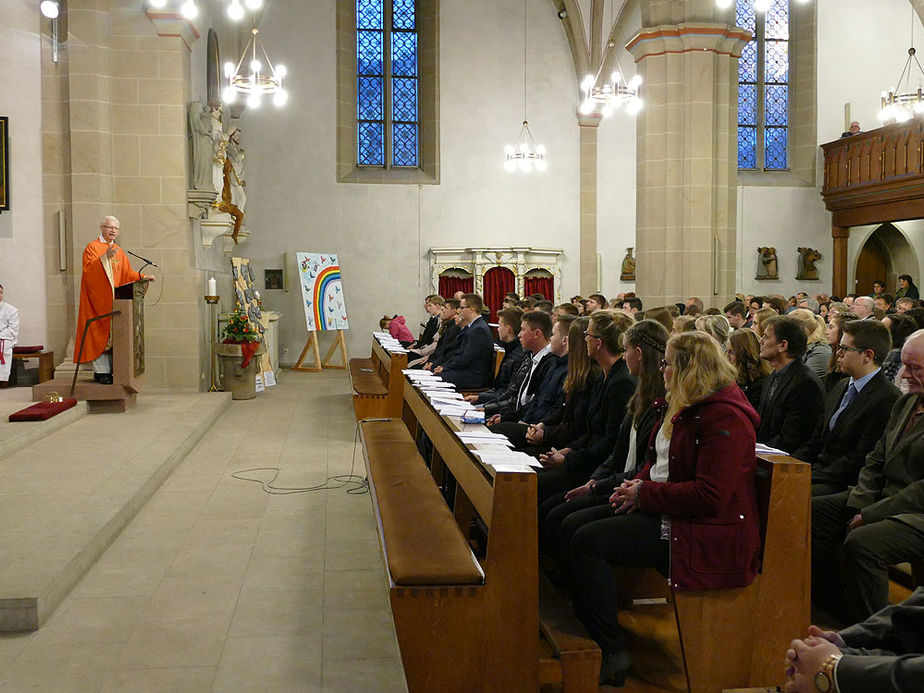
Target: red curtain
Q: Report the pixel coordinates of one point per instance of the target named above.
(540, 285)
(449, 285)
(498, 282)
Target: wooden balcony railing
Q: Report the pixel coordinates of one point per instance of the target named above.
(876, 176)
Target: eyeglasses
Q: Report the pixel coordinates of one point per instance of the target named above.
(663, 364)
(844, 347)
(588, 334)
(110, 226)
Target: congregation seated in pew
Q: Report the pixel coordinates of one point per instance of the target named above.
(508, 330)
(542, 391)
(832, 433)
(472, 363)
(563, 513)
(880, 520)
(856, 409)
(565, 468)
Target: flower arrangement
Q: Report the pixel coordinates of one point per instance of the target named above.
(238, 329)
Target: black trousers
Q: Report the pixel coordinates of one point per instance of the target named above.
(556, 480)
(625, 540)
(850, 570)
(559, 519)
(515, 432)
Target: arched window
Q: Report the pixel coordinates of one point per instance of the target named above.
(386, 83)
(764, 88)
(387, 91)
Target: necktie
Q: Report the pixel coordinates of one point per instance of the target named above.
(849, 396)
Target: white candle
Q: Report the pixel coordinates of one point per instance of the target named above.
(213, 288)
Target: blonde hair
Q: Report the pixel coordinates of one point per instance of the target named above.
(813, 325)
(580, 365)
(699, 369)
(609, 326)
(716, 326)
(760, 316)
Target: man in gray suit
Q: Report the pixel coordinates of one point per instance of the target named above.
(884, 653)
(880, 521)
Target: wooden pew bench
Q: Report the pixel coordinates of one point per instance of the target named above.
(378, 383)
(708, 641)
(46, 365)
(543, 643)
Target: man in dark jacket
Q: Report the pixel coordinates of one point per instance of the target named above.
(856, 411)
(792, 401)
(473, 363)
(545, 391)
(449, 339)
(508, 329)
(433, 304)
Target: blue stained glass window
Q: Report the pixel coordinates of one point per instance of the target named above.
(777, 21)
(403, 15)
(369, 53)
(777, 105)
(387, 103)
(404, 54)
(405, 144)
(369, 14)
(747, 104)
(747, 147)
(763, 87)
(775, 145)
(372, 143)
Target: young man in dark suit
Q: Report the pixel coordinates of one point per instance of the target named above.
(449, 339)
(473, 363)
(792, 401)
(856, 410)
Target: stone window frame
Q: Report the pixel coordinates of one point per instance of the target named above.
(428, 170)
(803, 108)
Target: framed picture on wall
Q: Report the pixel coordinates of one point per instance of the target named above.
(4, 164)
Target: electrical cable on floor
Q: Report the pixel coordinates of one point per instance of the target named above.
(355, 485)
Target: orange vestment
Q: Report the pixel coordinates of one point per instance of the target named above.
(97, 288)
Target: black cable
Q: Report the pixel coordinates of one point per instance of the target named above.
(357, 485)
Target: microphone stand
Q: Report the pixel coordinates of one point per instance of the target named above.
(146, 261)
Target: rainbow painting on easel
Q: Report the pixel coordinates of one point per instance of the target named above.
(322, 292)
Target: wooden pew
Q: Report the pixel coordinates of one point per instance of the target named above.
(378, 383)
(717, 639)
(564, 655)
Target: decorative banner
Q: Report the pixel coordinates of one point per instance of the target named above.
(322, 293)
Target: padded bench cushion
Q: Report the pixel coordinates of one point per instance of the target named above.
(364, 382)
(43, 410)
(33, 350)
(423, 543)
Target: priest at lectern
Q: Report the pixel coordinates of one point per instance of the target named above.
(105, 266)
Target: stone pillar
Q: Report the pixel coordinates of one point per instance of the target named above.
(840, 234)
(686, 159)
(128, 89)
(590, 282)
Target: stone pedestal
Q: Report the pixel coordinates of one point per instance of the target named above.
(687, 167)
(240, 382)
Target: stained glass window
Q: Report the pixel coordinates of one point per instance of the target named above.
(763, 87)
(387, 83)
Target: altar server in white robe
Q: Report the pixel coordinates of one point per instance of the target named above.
(9, 331)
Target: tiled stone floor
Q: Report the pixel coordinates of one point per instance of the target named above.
(216, 585)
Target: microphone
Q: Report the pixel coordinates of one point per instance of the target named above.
(146, 261)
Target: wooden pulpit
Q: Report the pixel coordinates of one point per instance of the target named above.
(128, 336)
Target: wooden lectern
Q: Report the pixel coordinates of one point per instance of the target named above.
(127, 330)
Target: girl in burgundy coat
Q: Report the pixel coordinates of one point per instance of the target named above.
(691, 512)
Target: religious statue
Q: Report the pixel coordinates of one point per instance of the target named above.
(628, 267)
(200, 146)
(807, 259)
(766, 263)
(229, 156)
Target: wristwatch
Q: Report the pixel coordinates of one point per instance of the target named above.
(824, 679)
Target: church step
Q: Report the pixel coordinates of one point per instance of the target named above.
(67, 495)
(14, 436)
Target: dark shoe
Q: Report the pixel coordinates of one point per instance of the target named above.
(613, 668)
(103, 378)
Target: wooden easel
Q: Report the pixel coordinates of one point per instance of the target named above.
(312, 344)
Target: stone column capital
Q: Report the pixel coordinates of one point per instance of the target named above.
(174, 24)
(590, 120)
(688, 37)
